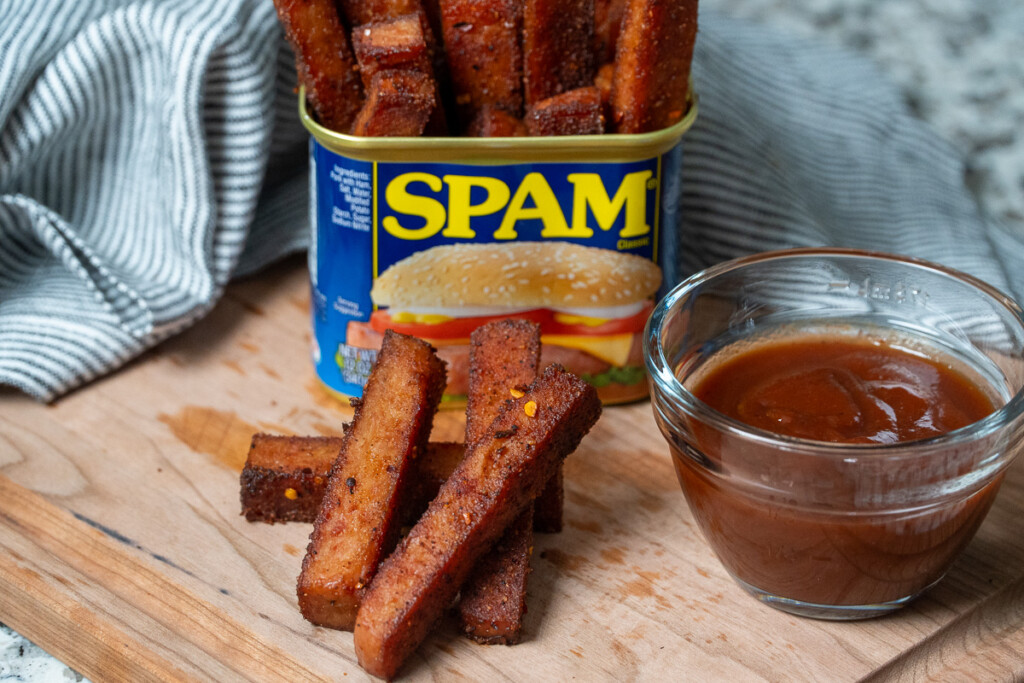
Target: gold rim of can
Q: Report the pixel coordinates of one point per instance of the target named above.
(615, 147)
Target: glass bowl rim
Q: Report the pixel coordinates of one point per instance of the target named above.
(664, 380)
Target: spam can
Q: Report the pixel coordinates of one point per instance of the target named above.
(434, 237)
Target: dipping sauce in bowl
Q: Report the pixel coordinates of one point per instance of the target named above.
(837, 450)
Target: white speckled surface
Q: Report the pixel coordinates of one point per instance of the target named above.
(20, 660)
(958, 63)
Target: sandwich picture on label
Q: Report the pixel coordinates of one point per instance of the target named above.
(590, 303)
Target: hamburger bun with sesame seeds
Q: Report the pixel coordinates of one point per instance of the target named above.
(517, 275)
(591, 304)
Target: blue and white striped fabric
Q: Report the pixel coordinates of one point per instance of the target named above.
(150, 151)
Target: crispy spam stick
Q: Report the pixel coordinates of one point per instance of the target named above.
(398, 104)
(303, 464)
(391, 44)
(494, 122)
(398, 43)
(577, 112)
(652, 64)
(360, 12)
(481, 39)
(285, 477)
(358, 521)
(323, 60)
(505, 354)
(607, 22)
(501, 474)
(493, 599)
(504, 358)
(557, 47)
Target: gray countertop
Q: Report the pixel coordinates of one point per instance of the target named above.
(958, 63)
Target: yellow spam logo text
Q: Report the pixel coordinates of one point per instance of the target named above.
(459, 206)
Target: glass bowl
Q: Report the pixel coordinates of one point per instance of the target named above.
(826, 529)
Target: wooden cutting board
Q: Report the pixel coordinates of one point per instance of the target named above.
(123, 553)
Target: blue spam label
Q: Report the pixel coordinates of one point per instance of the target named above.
(367, 216)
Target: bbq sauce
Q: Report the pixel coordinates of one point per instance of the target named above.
(843, 390)
(839, 389)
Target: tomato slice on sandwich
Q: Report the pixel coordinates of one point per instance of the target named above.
(441, 327)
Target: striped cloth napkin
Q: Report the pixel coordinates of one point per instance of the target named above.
(150, 151)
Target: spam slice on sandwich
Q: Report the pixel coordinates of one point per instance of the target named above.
(591, 304)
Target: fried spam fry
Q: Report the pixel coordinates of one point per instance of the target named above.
(504, 355)
(358, 522)
(396, 43)
(577, 112)
(493, 600)
(501, 474)
(303, 463)
(285, 477)
(323, 60)
(399, 43)
(607, 22)
(557, 47)
(504, 358)
(481, 39)
(652, 64)
(399, 103)
(493, 122)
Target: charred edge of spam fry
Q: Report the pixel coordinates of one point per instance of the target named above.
(557, 47)
(652, 64)
(504, 354)
(323, 59)
(284, 477)
(493, 600)
(359, 520)
(264, 486)
(481, 39)
(493, 484)
(399, 103)
(577, 112)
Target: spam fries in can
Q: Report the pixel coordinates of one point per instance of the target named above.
(434, 237)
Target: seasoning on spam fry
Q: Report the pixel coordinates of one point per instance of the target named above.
(481, 39)
(530, 408)
(323, 60)
(398, 104)
(392, 44)
(652, 64)
(577, 112)
(557, 37)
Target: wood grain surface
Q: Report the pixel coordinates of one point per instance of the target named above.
(122, 550)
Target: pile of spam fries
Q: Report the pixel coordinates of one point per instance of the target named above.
(492, 68)
(472, 507)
